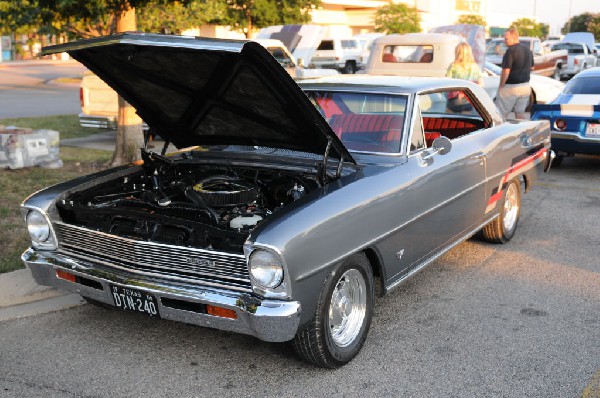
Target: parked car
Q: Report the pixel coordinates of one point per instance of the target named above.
(543, 89)
(581, 57)
(575, 116)
(545, 63)
(99, 102)
(582, 37)
(342, 54)
(296, 202)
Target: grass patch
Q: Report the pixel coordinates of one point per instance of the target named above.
(67, 125)
(16, 185)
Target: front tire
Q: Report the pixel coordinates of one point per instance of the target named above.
(556, 75)
(502, 228)
(343, 316)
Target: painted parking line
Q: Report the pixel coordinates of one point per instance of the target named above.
(592, 390)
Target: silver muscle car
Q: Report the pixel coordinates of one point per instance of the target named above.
(294, 200)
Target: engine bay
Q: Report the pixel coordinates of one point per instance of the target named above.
(189, 204)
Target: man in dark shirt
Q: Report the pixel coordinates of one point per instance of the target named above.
(514, 90)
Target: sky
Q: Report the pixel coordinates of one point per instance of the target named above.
(553, 12)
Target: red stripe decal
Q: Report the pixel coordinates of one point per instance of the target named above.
(514, 168)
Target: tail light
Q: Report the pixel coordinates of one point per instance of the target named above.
(81, 96)
(560, 124)
(575, 61)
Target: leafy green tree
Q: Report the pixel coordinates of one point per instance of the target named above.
(594, 26)
(246, 15)
(19, 17)
(578, 23)
(176, 16)
(397, 18)
(471, 19)
(544, 29)
(528, 27)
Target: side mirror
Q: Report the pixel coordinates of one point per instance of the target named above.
(440, 146)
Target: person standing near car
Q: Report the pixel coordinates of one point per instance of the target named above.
(463, 67)
(514, 89)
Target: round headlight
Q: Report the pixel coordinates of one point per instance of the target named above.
(266, 269)
(38, 227)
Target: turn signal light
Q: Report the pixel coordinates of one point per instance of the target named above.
(222, 312)
(66, 276)
(560, 124)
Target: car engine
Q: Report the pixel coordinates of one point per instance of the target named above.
(209, 207)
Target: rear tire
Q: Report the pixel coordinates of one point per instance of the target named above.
(503, 227)
(557, 161)
(349, 68)
(556, 74)
(342, 318)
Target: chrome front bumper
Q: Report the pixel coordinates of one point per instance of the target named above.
(268, 320)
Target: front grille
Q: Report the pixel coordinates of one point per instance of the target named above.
(197, 266)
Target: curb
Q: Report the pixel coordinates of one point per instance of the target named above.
(41, 307)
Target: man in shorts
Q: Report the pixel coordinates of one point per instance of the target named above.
(514, 90)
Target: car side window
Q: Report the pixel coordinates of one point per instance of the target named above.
(449, 113)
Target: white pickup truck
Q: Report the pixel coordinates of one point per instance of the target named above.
(99, 103)
(545, 63)
(580, 55)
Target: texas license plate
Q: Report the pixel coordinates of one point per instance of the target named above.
(593, 129)
(134, 300)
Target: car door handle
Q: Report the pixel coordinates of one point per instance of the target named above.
(480, 156)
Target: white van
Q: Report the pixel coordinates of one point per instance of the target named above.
(342, 54)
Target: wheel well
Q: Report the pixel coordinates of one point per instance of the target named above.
(526, 183)
(377, 267)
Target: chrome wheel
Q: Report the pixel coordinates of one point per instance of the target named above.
(347, 309)
(511, 207)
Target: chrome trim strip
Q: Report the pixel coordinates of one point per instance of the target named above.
(565, 135)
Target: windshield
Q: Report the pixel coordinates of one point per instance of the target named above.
(583, 85)
(364, 122)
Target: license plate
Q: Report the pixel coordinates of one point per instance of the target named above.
(592, 129)
(134, 300)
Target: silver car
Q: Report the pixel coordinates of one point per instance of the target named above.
(294, 200)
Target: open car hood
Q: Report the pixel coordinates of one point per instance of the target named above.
(200, 91)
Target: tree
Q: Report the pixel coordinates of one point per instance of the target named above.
(594, 26)
(397, 18)
(176, 16)
(246, 15)
(471, 19)
(577, 23)
(545, 29)
(528, 27)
